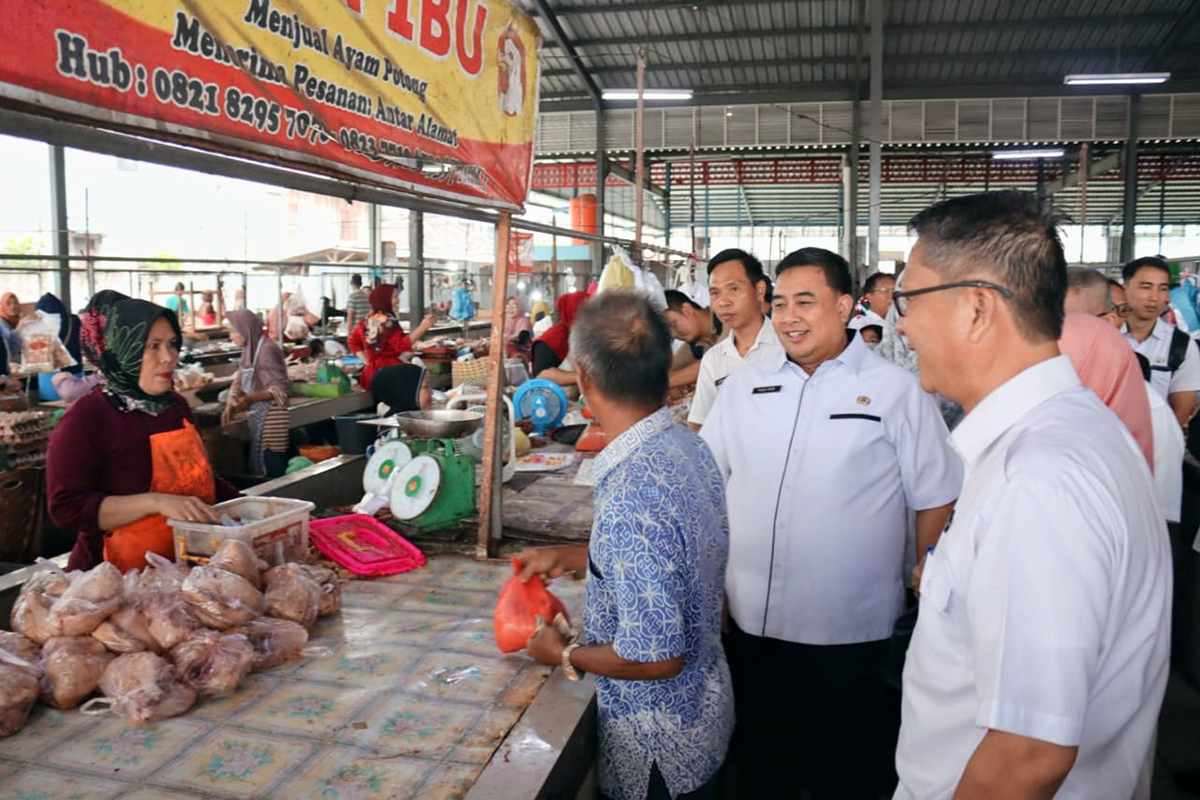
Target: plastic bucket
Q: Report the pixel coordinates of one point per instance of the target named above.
(353, 438)
(46, 391)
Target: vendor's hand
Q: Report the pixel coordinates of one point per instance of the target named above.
(279, 395)
(546, 645)
(545, 561)
(185, 507)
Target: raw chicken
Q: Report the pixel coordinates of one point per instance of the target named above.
(73, 666)
(127, 631)
(237, 557)
(274, 640)
(31, 612)
(169, 618)
(331, 589)
(18, 692)
(213, 663)
(291, 594)
(92, 597)
(20, 646)
(161, 574)
(221, 599)
(145, 687)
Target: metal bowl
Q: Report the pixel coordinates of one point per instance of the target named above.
(441, 424)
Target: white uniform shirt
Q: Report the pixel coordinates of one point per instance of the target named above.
(1157, 348)
(1168, 455)
(819, 471)
(1046, 607)
(723, 360)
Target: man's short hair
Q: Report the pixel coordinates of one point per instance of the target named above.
(179, 287)
(873, 279)
(623, 346)
(1086, 279)
(356, 280)
(753, 267)
(1154, 262)
(834, 267)
(1010, 237)
(677, 300)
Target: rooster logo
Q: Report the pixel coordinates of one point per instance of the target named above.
(511, 58)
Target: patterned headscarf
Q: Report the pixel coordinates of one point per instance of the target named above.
(125, 337)
(382, 318)
(92, 322)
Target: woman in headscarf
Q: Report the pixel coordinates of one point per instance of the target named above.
(401, 387)
(379, 340)
(127, 457)
(262, 387)
(69, 383)
(518, 330)
(550, 350)
(10, 317)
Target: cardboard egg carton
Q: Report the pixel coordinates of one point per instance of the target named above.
(24, 428)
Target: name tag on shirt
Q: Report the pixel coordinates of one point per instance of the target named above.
(766, 389)
(869, 417)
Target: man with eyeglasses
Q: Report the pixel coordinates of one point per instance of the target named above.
(1174, 359)
(877, 292)
(1088, 293)
(1039, 660)
(824, 446)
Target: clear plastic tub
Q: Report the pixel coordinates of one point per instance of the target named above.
(280, 533)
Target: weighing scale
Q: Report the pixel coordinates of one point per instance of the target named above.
(436, 489)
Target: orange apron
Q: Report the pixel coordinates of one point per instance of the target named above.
(179, 465)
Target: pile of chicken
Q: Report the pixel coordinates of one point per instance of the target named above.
(156, 641)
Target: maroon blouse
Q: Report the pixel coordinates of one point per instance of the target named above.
(96, 451)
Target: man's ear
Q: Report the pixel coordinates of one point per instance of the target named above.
(845, 307)
(585, 383)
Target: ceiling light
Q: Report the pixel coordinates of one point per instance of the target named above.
(1116, 78)
(647, 94)
(1008, 154)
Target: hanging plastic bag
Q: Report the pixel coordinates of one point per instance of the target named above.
(646, 284)
(518, 607)
(41, 350)
(618, 272)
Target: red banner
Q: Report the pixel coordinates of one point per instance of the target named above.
(435, 97)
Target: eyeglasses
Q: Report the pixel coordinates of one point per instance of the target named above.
(883, 290)
(900, 298)
(1122, 310)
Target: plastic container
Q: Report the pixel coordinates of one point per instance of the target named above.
(279, 535)
(46, 391)
(353, 438)
(365, 546)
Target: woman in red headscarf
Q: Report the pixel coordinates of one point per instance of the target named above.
(551, 349)
(379, 340)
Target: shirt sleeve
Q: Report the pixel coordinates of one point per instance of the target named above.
(706, 389)
(1187, 377)
(74, 474)
(649, 586)
(713, 434)
(1037, 603)
(356, 342)
(931, 472)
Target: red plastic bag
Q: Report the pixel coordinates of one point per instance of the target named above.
(518, 605)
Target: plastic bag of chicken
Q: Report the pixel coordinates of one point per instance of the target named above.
(92, 597)
(292, 594)
(331, 588)
(72, 666)
(237, 557)
(213, 663)
(221, 599)
(31, 611)
(18, 692)
(275, 641)
(144, 687)
(20, 646)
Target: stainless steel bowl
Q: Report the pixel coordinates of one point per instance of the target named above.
(441, 424)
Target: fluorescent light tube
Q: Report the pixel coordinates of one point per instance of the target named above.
(647, 94)
(1116, 78)
(1010, 154)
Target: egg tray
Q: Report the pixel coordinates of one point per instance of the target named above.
(24, 427)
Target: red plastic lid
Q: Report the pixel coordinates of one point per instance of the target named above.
(364, 545)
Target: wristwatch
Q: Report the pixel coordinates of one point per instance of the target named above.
(569, 668)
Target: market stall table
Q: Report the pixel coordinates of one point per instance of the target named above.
(403, 694)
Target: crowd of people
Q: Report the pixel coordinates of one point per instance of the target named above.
(886, 563)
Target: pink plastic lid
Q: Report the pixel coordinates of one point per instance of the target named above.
(364, 545)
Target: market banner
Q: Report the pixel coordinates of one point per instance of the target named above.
(436, 97)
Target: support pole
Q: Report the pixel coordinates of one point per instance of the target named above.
(849, 234)
(416, 260)
(667, 209)
(1129, 206)
(58, 213)
(1084, 165)
(852, 253)
(373, 221)
(491, 524)
(639, 173)
(692, 199)
(876, 195)
(601, 177)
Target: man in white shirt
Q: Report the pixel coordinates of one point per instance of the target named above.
(738, 288)
(823, 446)
(1039, 660)
(1174, 360)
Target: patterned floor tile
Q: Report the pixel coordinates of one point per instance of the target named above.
(45, 784)
(480, 576)
(524, 688)
(349, 774)
(156, 793)
(311, 710)
(235, 763)
(450, 782)
(253, 688)
(482, 740)
(132, 750)
(462, 602)
(368, 665)
(471, 636)
(410, 627)
(373, 593)
(401, 725)
(44, 728)
(460, 677)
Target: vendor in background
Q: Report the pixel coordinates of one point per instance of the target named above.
(127, 457)
(70, 386)
(208, 311)
(273, 327)
(70, 382)
(551, 349)
(261, 387)
(177, 304)
(379, 340)
(518, 330)
(358, 306)
(10, 317)
(695, 326)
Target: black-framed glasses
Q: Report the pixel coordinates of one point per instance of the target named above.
(900, 297)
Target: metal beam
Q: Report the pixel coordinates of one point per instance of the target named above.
(626, 174)
(1129, 205)
(1176, 38)
(1098, 167)
(58, 213)
(416, 262)
(656, 5)
(560, 37)
(875, 197)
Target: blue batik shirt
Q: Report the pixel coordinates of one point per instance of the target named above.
(656, 581)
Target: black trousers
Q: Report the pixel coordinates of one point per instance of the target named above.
(657, 790)
(815, 717)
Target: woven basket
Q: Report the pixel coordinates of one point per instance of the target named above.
(471, 373)
(22, 500)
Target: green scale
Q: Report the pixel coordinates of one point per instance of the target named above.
(436, 489)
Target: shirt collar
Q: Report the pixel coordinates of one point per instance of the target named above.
(1159, 331)
(852, 356)
(1010, 401)
(616, 450)
(765, 330)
